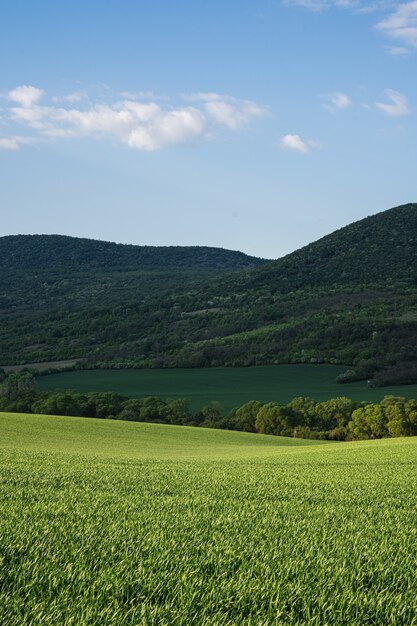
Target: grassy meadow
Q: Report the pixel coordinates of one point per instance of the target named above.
(111, 523)
(230, 387)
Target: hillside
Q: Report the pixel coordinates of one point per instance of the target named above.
(112, 523)
(349, 298)
(59, 253)
(380, 249)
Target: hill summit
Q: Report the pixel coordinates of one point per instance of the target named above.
(379, 249)
(349, 298)
(74, 254)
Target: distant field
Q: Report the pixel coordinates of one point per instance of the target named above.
(107, 523)
(229, 386)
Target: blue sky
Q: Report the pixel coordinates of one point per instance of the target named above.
(257, 125)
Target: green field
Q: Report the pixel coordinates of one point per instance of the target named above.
(230, 386)
(111, 523)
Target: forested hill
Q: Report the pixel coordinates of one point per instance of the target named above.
(349, 298)
(379, 249)
(71, 254)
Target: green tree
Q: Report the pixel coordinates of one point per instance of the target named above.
(177, 411)
(334, 413)
(244, 417)
(368, 422)
(401, 416)
(210, 415)
(274, 419)
(104, 404)
(17, 392)
(61, 403)
(305, 410)
(131, 410)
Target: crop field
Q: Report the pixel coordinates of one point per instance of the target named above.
(230, 387)
(111, 523)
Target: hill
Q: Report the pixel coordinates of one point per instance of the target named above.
(349, 298)
(59, 253)
(131, 440)
(110, 523)
(380, 249)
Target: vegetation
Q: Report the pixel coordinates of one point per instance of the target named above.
(349, 298)
(303, 417)
(228, 386)
(106, 522)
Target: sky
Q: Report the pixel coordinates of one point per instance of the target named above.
(253, 125)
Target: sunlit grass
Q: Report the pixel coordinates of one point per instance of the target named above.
(117, 523)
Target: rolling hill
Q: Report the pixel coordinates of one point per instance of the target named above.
(107, 522)
(349, 298)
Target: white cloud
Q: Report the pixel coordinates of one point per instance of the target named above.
(13, 143)
(401, 24)
(138, 124)
(227, 111)
(9, 143)
(167, 128)
(336, 101)
(294, 142)
(25, 95)
(398, 105)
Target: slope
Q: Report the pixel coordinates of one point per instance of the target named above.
(349, 298)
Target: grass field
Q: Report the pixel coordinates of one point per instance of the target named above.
(110, 523)
(230, 386)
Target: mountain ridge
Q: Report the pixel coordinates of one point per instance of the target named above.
(81, 253)
(349, 298)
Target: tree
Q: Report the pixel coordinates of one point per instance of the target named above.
(334, 413)
(152, 409)
(244, 417)
(274, 419)
(368, 422)
(210, 415)
(401, 416)
(61, 403)
(104, 404)
(131, 410)
(176, 411)
(305, 410)
(18, 391)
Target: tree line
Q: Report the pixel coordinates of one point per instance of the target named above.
(337, 419)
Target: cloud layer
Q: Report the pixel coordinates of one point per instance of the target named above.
(137, 124)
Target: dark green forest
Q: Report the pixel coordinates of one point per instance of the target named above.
(349, 298)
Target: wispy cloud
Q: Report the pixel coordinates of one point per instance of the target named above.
(71, 98)
(228, 111)
(336, 101)
(294, 142)
(397, 105)
(322, 5)
(13, 143)
(397, 20)
(397, 50)
(144, 125)
(401, 24)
